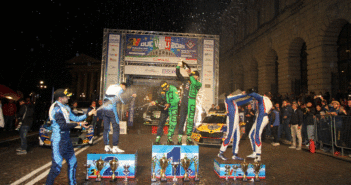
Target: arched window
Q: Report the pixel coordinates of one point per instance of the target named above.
(344, 60)
(303, 67)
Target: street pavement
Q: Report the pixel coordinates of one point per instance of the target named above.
(283, 165)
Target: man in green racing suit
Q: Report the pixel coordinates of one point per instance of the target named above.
(172, 100)
(188, 103)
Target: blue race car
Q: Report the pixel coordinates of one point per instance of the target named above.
(79, 135)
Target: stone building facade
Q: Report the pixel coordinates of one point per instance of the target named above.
(85, 82)
(284, 46)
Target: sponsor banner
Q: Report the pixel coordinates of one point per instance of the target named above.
(131, 113)
(161, 59)
(208, 79)
(114, 38)
(146, 48)
(152, 70)
(113, 54)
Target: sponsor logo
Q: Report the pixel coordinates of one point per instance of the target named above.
(112, 60)
(161, 59)
(190, 44)
(168, 71)
(208, 50)
(150, 70)
(133, 42)
(113, 55)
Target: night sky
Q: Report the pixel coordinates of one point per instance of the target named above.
(45, 34)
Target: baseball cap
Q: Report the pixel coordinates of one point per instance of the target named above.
(61, 93)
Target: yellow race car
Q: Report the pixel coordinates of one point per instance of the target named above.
(212, 130)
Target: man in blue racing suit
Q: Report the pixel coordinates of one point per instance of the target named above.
(114, 94)
(233, 131)
(60, 115)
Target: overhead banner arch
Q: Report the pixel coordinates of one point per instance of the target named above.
(156, 54)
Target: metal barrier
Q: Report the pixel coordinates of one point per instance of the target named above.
(342, 132)
(333, 131)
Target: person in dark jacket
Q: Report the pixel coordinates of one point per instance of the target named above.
(309, 120)
(92, 120)
(285, 121)
(25, 120)
(250, 117)
(348, 107)
(295, 125)
(275, 122)
(99, 119)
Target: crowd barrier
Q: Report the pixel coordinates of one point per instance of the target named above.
(333, 131)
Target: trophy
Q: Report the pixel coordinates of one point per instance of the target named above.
(113, 166)
(100, 164)
(164, 162)
(196, 162)
(87, 175)
(235, 168)
(227, 172)
(185, 162)
(174, 166)
(153, 162)
(126, 172)
(244, 167)
(257, 167)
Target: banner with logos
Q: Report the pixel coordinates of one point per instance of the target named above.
(152, 70)
(112, 64)
(208, 74)
(158, 48)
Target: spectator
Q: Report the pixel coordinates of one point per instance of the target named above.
(250, 116)
(9, 110)
(349, 108)
(25, 119)
(212, 109)
(334, 111)
(318, 109)
(99, 120)
(218, 108)
(295, 125)
(275, 122)
(309, 121)
(93, 118)
(303, 108)
(284, 126)
(75, 109)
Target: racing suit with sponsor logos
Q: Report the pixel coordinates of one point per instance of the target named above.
(233, 130)
(172, 98)
(113, 95)
(62, 148)
(188, 105)
(264, 106)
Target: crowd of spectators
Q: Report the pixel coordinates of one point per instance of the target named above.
(307, 117)
(298, 116)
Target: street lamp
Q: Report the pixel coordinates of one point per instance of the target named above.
(42, 85)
